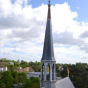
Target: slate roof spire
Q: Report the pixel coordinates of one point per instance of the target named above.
(48, 52)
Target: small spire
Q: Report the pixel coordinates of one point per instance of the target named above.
(49, 14)
(68, 71)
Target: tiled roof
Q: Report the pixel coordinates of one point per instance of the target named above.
(3, 66)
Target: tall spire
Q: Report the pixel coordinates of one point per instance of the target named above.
(48, 55)
(49, 14)
(48, 52)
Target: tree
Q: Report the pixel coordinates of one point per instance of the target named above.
(6, 64)
(16, 64)
(15, 77)
(24, 64)
(21, 77)
(78, 75)
(2, 85)
(32, 82)
(5, 79)
(11, 67)
(81, 64)
(35, 65)
(36, 68)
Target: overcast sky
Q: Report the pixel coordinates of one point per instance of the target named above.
(23, 24)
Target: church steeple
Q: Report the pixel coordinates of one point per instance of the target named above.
(49, 79)
(48, 52)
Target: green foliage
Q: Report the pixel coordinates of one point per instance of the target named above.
(21, 77)
(5, 60)
(32, 82)
(57, 67)
(35, 65)
(2, 85)
(11, 68)
(15, 77)
(8, 78)
(16, 64)
(81, 64)
(78, 75)
(5, 79)
(24, 64)
(6, 64)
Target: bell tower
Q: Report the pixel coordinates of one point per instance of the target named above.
(48, 60)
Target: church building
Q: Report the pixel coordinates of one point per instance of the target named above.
(49, 79)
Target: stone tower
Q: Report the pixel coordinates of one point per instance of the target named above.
(48, 79)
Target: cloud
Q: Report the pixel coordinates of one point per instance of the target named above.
(84, 34)
(66, 38)
(84, 47)
(25, 26)
(72, 54)
(26, 35)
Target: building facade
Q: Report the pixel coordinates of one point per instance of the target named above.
(3, 68)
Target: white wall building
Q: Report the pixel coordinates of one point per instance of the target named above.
(3, 68)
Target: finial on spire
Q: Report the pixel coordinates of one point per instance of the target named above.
(49, 14)
(49, 1)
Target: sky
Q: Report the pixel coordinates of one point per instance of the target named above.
(23, 24)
